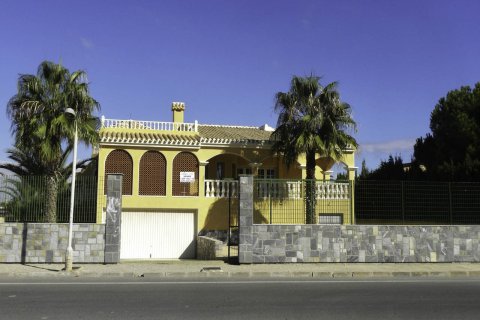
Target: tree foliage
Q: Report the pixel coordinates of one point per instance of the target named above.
(364, 172)
(390, 169)
(452, 150)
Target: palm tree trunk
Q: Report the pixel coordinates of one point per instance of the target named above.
(310, 194)
(51, 193)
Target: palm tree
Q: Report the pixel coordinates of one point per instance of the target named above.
(312, 120)
(40, 125)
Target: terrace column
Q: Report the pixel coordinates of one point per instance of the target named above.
(304, 171)
(352, 173)
(201, 178)
(327, 175)
(255, 166)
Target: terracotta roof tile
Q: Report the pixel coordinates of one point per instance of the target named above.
(207, 134)
(150, 138)
(232, 133)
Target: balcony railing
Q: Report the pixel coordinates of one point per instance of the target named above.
(221, 188)
(335, 190)
(278, 189)
(150, 125)
(295, 190)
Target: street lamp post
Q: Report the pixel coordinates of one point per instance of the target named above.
(69, 254)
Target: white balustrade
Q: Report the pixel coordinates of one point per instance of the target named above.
(279, 189)
(221, 188)
(150, 125)
(332, 190)
(294, 190)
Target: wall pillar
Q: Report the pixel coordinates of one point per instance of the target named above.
(245, 251)
(113, 218)
(352, 174)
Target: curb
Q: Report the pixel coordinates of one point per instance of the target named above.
(247, 274)
(303, 275)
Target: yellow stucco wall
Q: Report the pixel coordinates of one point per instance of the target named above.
(292, 211)
(212, 213)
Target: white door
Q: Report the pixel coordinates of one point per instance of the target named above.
(157, 235)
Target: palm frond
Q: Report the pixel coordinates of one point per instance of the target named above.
(312, 119)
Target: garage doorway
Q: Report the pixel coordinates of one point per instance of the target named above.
(157, 235)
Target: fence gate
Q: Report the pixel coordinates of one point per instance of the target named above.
(232, 234)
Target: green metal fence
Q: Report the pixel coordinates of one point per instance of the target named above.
(23, 199)
(278, 201)
(417, 202)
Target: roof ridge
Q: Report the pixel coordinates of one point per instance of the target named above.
(229, 126)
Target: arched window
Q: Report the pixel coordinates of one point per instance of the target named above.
(153, 168)
(120, 161)
(185, 163)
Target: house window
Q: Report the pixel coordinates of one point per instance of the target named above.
(185, 163)
(152, 174)
(120, 161)
(266, 173)
(330, 219)
(220, 170)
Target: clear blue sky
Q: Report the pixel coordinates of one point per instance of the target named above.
(227, 59)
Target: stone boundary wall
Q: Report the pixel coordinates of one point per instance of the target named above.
(361, 243)
(210, 249)
(220, 235)
(47, 242)
(350, 243)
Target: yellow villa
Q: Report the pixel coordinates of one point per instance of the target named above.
(178, 178)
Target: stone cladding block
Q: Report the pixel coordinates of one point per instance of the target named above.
(46, 243)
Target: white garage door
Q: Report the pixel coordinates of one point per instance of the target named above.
(157, 235)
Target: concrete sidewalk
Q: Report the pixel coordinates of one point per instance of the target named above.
(199, 268)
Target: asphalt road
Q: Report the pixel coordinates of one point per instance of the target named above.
(284, 299)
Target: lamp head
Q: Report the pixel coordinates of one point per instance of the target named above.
(71, 112)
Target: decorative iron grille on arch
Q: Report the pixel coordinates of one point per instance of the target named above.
(153, 168)
(184, 162)
(120, 161)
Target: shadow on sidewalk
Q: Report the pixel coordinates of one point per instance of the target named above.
(42, 268)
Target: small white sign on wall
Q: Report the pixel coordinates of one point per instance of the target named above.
(186, 176)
